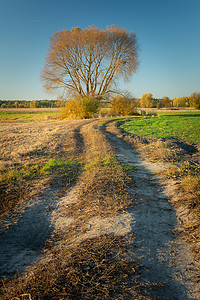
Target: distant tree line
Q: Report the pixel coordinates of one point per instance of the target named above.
(148, 101)
(119, 102)
(128, 104)
(31, 104)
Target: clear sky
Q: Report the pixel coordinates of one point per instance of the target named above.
(168, 32)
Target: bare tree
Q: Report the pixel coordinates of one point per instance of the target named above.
(87, 62)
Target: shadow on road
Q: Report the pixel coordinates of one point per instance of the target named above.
(25, 235)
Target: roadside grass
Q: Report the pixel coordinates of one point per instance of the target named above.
(160, 151)
(19, 173)
(185, 127)
(65, 168)
(129, 169)
(191, 184)
(186, 168)
(154, 149)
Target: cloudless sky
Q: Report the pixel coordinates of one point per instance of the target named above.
(168, 32)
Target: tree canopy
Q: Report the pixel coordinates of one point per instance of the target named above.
(87, 62)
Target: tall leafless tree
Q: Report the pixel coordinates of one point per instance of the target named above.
(87, 62)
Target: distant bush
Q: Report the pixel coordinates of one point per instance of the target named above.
(147, 101)
(81, 108)
(181, 102)
(123, 106)
(195, 100)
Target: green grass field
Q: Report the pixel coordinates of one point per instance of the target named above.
(184, 126)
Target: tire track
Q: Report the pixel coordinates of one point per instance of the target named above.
(166, 258)
(23, 237)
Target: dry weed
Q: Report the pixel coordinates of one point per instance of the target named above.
(154, 149)
(99, 268)
(191, 184)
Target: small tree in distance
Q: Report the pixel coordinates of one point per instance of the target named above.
(80, 108)
(166, 102)
(123, 106)
(195, 100)
(146, 100)
(87, 62)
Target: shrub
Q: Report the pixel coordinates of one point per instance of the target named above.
(147, 101)
(122, 106)
(81, 108)
(195, 100)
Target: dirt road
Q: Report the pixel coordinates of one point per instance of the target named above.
(166, 259)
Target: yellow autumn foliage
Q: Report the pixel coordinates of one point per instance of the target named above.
(122, 106)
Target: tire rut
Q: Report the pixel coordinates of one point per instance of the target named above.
(166, 258)
(23, 237)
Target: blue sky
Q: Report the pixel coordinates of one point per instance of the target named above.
(168, 32)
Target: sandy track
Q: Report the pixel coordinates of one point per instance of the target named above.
(165, 256)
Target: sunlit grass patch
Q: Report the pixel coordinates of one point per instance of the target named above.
(20, 173)
(99, 162)
(129, 169)
(67, 168)
(17, 184)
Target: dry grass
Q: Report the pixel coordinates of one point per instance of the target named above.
(154, 149)
(100, 268)
(14, 194)
(191, 184)
(25, 148)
